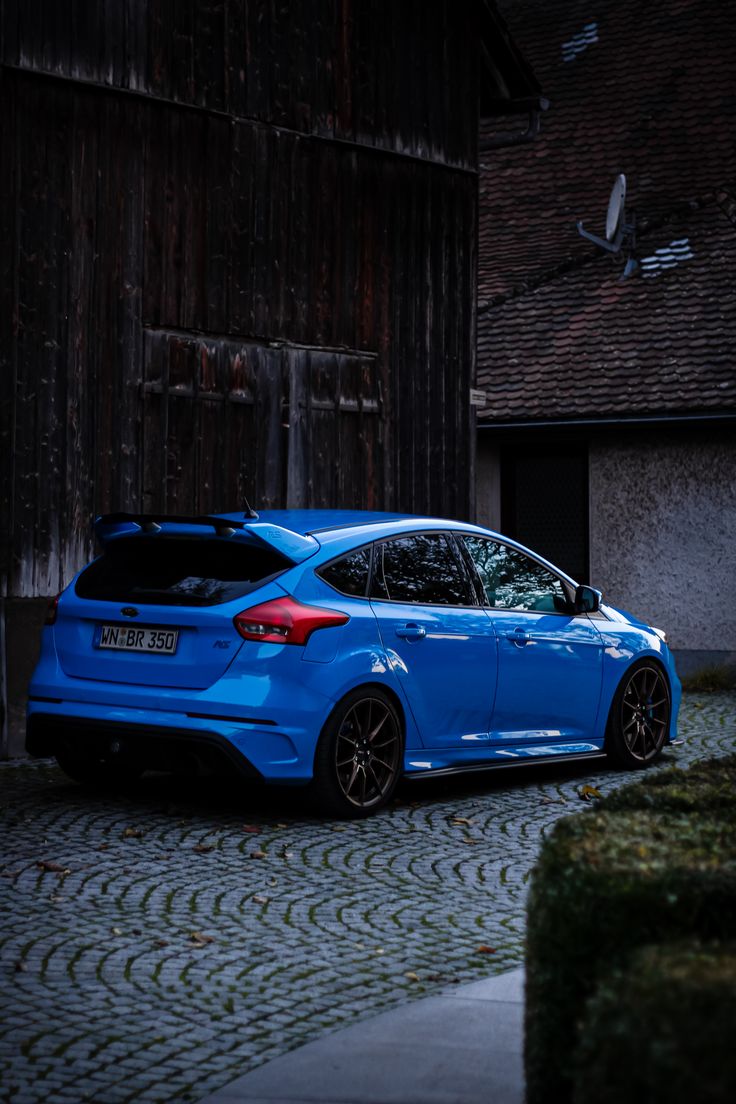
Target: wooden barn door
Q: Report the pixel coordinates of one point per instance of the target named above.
(225, 420)
(335, 430)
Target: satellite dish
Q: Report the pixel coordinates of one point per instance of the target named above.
(615, 216)
(620, 231)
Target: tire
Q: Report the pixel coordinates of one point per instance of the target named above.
(359, 756)
(91, 771)
(639, 720)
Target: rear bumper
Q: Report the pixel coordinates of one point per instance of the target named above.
(146, 746)
(166, 740)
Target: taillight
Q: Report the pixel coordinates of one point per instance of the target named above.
(285, 621)
(51, 609)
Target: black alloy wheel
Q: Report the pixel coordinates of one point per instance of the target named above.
(640, 716)
(359, 756)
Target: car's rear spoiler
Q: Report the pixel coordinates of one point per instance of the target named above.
(292, 545)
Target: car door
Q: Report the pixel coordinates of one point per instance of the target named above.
(438, 638)
(550, 661)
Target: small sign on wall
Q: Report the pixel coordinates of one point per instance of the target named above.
(477, 398)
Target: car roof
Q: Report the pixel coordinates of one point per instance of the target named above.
(329, 526)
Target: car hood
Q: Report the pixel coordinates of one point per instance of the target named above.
(616, 614)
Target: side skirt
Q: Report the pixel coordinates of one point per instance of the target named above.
(472, 768)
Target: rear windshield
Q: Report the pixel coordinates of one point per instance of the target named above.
(176, 571)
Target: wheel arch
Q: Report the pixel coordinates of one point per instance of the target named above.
(640, 660)
(372, 685)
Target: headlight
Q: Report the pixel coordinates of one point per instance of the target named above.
(660, 633)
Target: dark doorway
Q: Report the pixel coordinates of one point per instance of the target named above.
(544, 502)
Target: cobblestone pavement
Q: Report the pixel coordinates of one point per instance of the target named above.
(155, 945)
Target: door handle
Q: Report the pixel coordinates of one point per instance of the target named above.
(518, 636)
(411, 631)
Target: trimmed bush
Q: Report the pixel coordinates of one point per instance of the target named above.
(661, 1030)
(705, 789)
(613, 880)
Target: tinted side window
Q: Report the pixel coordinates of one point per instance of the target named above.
(513, 581)
(349, 575)
(421, 569)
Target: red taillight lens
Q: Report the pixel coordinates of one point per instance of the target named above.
(50, 618)
(285, 621)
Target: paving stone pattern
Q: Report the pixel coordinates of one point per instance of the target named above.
(183, 933)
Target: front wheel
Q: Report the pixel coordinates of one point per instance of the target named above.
(640, 717)
(359, 755)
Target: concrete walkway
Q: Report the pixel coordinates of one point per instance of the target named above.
(461, 1047)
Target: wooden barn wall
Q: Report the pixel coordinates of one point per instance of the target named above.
(397, 74)
(197, 307)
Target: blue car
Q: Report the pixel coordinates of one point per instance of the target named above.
(339, 650)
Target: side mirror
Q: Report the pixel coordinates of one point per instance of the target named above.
(587, 599)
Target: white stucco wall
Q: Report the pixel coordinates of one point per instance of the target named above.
(663, 533)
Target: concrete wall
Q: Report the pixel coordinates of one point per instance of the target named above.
(663, 536)
(21, 621)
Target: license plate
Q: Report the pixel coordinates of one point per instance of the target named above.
(129, 638)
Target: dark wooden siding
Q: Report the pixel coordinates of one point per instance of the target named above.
(199, 305)
(398, 75)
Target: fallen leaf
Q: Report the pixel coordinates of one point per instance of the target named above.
(203, 848)
(458, 820)
(253, 828)
(411, 976)
(337, 828)
(588, 793)
(552, 801)
(103, 847)
(379, 951)
(258, 854)
(469, 839)
(161, 942)
(260, 899)
(116, 931)
(132, 833)
(52, 867)
(199, 939)
(282, 825)
(485, 949)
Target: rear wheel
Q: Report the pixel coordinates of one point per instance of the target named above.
(640, 716)
(359, 756)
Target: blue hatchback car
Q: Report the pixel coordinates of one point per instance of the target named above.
(339, 650)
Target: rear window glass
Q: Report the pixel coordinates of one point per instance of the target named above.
(175, 571)
(349, 574)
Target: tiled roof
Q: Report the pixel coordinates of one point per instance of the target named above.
(589, 345)
(644, 89)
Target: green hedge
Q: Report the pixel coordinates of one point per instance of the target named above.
(661, 1031)
(639, 869)
(707, 788)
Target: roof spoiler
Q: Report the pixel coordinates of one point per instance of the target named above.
(292, 545)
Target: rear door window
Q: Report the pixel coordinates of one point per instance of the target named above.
(178, 571)
(423, 569)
